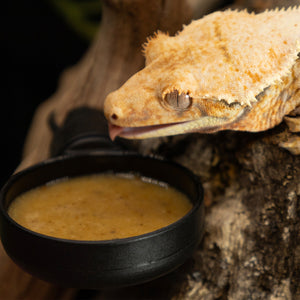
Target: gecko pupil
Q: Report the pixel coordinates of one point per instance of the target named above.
(178, 101)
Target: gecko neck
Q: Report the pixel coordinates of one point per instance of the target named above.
(273, 104)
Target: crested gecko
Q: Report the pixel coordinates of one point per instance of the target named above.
(229, 70)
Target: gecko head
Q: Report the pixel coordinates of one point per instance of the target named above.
(158, 104)
(170, 96)
(207, 76)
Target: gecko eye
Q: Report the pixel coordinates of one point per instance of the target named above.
(178, 101)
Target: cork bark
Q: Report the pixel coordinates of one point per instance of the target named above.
(251, 246)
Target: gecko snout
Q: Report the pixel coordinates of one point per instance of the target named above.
(112, 113)
(113, 109)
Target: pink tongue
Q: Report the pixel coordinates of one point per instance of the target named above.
(114, 131)
(132, 132)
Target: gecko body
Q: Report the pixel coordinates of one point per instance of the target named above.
(227, 71)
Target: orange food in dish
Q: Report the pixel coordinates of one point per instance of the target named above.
(99, 207)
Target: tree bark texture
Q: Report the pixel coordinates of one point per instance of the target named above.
(251, 246)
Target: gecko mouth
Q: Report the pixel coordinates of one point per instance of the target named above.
(139, 132)
(207, 124)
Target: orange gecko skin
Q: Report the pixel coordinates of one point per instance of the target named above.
(228, 70)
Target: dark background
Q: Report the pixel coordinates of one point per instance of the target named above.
(37, 44)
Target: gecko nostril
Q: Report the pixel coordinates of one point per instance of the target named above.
(114, 117)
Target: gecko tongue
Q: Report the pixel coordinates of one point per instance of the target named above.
(133, 132)
(129, 132)
(114, 131)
